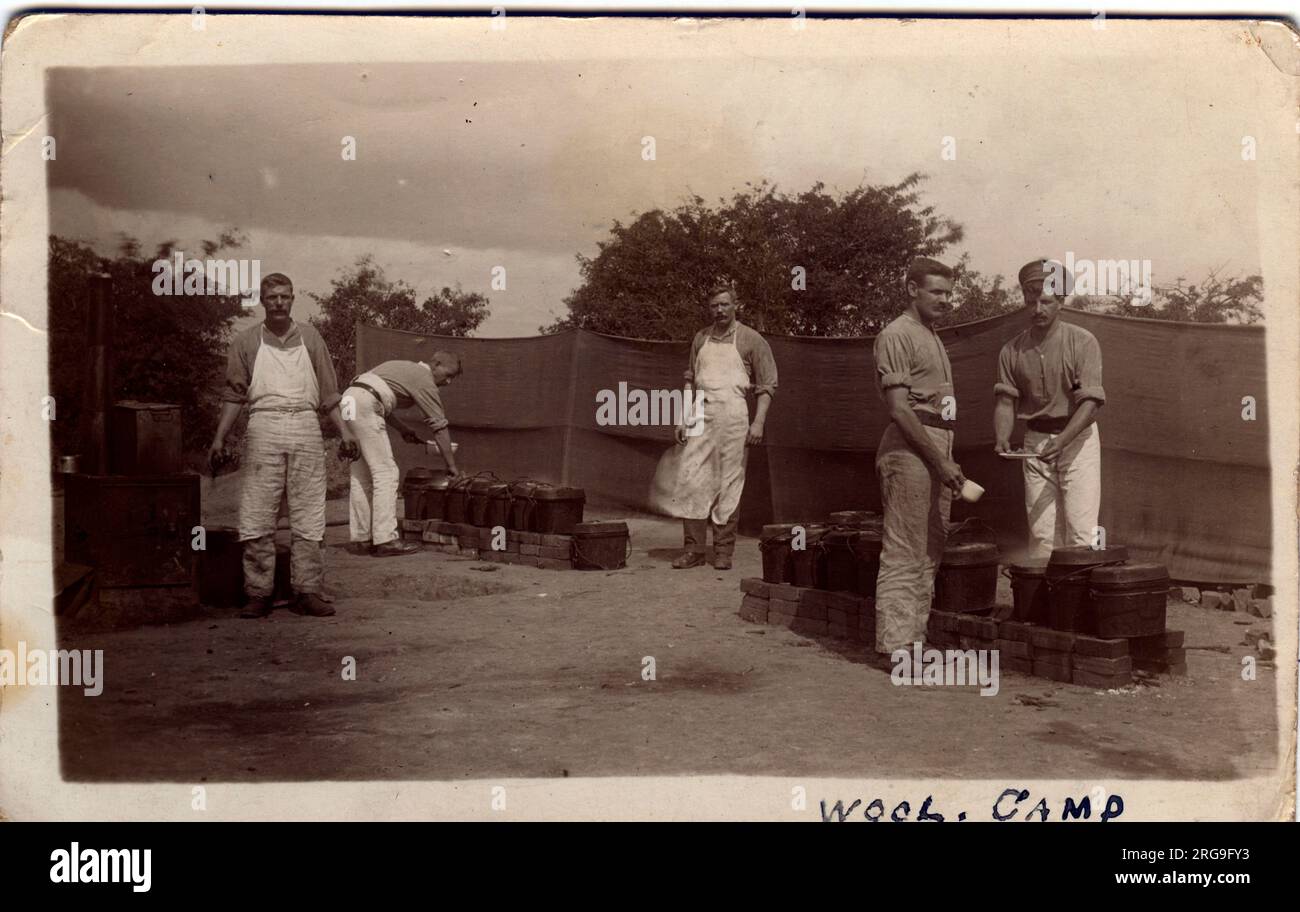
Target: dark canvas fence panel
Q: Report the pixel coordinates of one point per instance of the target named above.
(1185, 480)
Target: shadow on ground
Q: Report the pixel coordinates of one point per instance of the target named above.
(522, 672)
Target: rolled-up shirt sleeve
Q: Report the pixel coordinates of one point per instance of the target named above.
(326, 381)
(762, 364)
(689, 373)
(893, 361)
(1006, 383)
(429, 402)
(1087, 372)
(239, 372)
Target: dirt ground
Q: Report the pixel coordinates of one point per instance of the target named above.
(471, 670)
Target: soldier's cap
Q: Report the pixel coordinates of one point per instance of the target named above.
(1051, 272)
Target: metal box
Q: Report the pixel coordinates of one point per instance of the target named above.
(144, 438)
(134, 530)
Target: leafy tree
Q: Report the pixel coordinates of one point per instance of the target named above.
(813, 263)
(167, 348)
(976, 297)
(1214, 299)
(364, 294)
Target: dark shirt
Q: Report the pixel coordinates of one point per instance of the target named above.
(909, 353)
(1052, 378)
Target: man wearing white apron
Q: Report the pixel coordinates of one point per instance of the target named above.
(729, 360)
(282, 370)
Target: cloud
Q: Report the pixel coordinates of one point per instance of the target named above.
(530, 162)
(536, 282)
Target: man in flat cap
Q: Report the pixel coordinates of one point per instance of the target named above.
(1050, 376)
(282, 371)
(914, 463)
(729, 364)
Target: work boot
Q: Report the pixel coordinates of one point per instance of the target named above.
(688, 560)
(721, 560)
(724, 536)
(695, 535)
(258, 606)
(310, 603)
(394, 548)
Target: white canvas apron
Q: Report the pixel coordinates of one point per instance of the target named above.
(283, 377)
(283, 395)
(712, 472)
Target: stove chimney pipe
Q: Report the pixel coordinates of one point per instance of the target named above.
(97, 398)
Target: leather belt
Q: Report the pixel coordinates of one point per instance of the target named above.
(372, 391)
(1047, 425)
(929, 419)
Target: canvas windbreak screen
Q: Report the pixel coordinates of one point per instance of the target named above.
(1185, 466)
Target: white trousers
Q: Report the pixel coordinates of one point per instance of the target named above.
(1063, 497)
(372, 493)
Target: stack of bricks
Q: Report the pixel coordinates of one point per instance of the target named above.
(1052, 652)
(812, 612)
(1015, 651)
(1159, 654)
(1071, 658)
(530, 549)
(1102, 663)
(975, 632)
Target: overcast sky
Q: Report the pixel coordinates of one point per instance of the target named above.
(464, 166)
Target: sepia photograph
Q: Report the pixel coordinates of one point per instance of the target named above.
(765, 417)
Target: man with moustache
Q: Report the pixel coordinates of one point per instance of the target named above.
(729, 363)
(914, 463)
(1050, 377)
(282, 370)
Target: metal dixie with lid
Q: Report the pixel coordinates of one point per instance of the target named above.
(457, 499)
(1029, 590)
(498, 506)
(476, 505)
(600, 545)
(809, 562)
(1128, 600)
(774, 545)
(556, 510)
(415, 486)
(435, 498)
(841, 560)
(521, 505)
(967, 580)
(1068, 602)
